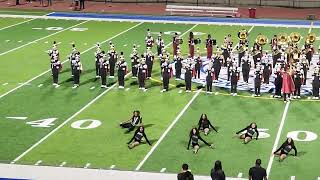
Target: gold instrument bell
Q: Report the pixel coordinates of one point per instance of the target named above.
(295, 37)
(243, 34)
(261, 39)
(311, 38)
(282, 38)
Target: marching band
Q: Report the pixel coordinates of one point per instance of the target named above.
(286, 62)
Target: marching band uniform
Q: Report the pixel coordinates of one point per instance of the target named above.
(149, 61)
(76, 70)
(257, 50)
(226, 55)
(178, 65)
(246, 65)
(197, 67)
(97, 58)
(122, 70)
(55, 68)
(210, 77)
(191, 44)
(316, 83)
(188, 77)
(134, 63)
(266, 70)
(209, 45)
(234, 77)
(276, 54)
(175, 43)
(229, 66)
(305, 67)
(287, 85)
(257, 81)
(142, 73)
(166, 74)
(298, 80)
(278, 81)
(103, 69)
(160, 44)
(72, 56)
(113, 56)
(309, 52)
(217, 64)
(241, 50)
(149, 40)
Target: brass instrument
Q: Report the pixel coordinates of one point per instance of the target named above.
(295, 37)
(311, 38)
(282, 38)
(243, 34)
(261, 40)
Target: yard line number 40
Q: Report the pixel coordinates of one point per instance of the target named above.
(298, 135)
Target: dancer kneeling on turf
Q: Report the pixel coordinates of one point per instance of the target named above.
(194, 138)
(250, 131)
(135, 120)
(205, 124)
(137, 138)
(285, 149)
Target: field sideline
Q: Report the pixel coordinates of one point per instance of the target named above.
(43, 125)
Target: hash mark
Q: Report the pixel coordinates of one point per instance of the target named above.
(292, 178)
(163, 170)
(240, 175)
(7, 40)
(92, 87)
(127, 89)
(20, 41)
(4, 84)
(112, 166)
(63, 163)
(125, 45)
(40, 85)
(87, 165)
(180, 92)
(46, 42)
(38, 162)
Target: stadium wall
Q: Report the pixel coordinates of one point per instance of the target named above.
(281, 3)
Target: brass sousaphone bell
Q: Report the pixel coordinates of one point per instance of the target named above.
(261, 39)
(282, 39)
(311, 38)
(243, 34)
(295, 37)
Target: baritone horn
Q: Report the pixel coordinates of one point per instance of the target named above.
(261, 40)
(311, 38)
(295, 37)
(243, 34)
(282, 39)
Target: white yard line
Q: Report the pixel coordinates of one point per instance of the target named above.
(276, 142)
(311, 26)
(16, 24)
(30, 80)
(19, 47)
(167, 130)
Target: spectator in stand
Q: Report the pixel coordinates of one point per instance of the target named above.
(257, 172)
(217, 173)
(81, 4)
(185, 174)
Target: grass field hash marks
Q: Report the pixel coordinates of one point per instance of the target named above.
(87, 50)
(63, 164)
(38, 163)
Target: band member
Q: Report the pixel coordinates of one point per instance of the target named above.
(257, 80)
(241, 52)
(97, 57)
(197, 67)
(217, 64)
(250, 131)
(55, 69)
(287, 84)
(257, 52)
(76, 70)
(309, 51)
(72, 56)
(178, 65)
(113, 57)
(229, 64)
(137, 138)
(209, 45)
(316, 83)
(122, 70)
(234, 77)
(205, 124)
(149, 40)
(305, 68)
(267, 69)
(149, 61)
(175, 43)
(134, 62)
(54, 51)
(194, 140)
(246, 65)
(226, 54)
(166, 75)
(188, 76)
(103, 68)
(298, 80)
(210, 77)
(133, 122)
(274, 42)
(276, 54)
(285, 149)
(142, 73)
(278, 81)
(191, 44)
(160, 44)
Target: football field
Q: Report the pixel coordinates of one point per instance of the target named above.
(43, 125)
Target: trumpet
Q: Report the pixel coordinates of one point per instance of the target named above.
(295, 37)
(311, 38)
(261, 39)
(282, 38)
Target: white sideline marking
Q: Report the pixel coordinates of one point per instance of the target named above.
(112, 166)
(292, 178)
(63, 163)
(240, 175)
(163, 170)
(16, 24)
(19, 47)
(87, 165)
(4, 84)
(276, 142)
(92, 87)
(167, 130)
(40, 85)
(12, 90)
(38, 162)
(18, 118)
